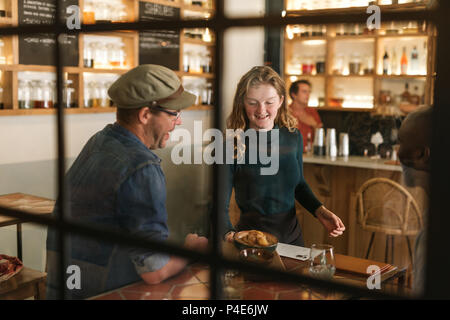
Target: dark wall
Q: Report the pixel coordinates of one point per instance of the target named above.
(361, 126)
(273, 38)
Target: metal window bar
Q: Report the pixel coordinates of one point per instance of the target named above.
(219, 23)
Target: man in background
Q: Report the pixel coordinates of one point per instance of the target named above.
(415, 155)
(308, 119)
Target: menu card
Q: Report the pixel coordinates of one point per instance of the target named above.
(39, 48)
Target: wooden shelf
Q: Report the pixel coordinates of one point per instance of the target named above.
(200, 107)
(29, 112)
(198, 42)
(79, 74)
(383, 76)
(202, 75)
(369, 46)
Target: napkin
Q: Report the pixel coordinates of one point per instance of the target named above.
(294, 252)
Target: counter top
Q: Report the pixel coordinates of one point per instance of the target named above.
(354, 161)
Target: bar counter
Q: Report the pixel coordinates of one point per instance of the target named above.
(355, 162)
(336, 182)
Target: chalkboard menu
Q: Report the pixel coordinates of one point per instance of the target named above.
(159, 46)
(39, 48)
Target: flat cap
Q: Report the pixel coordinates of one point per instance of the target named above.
(150, 85)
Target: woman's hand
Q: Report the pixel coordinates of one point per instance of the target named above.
(330, 221)
(229, 236)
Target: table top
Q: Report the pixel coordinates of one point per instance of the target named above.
(355, 162)
(24, 202)
(193, 284)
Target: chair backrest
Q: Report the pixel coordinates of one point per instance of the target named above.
(383, 205)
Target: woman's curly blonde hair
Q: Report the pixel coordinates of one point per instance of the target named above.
(257, 76)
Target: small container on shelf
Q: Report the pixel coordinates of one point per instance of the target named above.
(2, 52)
(88, 12)
(308, 65)
(338, 68)
(354, 67)
(104, 100)
(207, 94)
(2, 9)
(116, 55)
(187, 61)
(320, 64)
(206, 63)
(103, 12)
(88, 58)
(2, 104)
(100, 55)
(69, 95)
(24, 95)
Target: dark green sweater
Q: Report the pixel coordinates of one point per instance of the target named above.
(271, 194)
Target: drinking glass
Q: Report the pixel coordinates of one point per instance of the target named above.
(322, 262)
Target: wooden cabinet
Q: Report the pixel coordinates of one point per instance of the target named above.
(345, 62)
(97, 59)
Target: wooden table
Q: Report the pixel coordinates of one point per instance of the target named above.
(25, 202)
(27, 283)
(193, 284)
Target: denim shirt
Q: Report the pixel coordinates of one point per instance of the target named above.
(116, 183)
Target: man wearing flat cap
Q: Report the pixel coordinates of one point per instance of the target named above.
(117, 183)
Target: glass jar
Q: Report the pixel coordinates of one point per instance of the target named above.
(100, 55)
(103, 12)
(119, 14)
(88, 59)
(103, 95)
(307, 66)
(207, 94)
(195, 65)
(116, 55)
(24, 94)
(94, 94)
(48, 94)
(187, 61)
(88, 12)
(206, 63)
(354, 67)
(37, 95)
(320, 64)
(2, 52)
(68, 95)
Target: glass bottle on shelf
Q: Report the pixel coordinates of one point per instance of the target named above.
(415, 97)
(94, 94)
(24, 94)
(2, 52)
(385, 62)
(406, 95)
(404, 62)
(414, 66)
(394, 62)
(368, 65)
(88, 59)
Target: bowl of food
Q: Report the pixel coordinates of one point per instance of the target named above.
(256, 256)
(255, 239)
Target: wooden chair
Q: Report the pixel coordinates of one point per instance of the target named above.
(384, 206)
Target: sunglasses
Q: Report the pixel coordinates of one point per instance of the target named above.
(176, 114)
